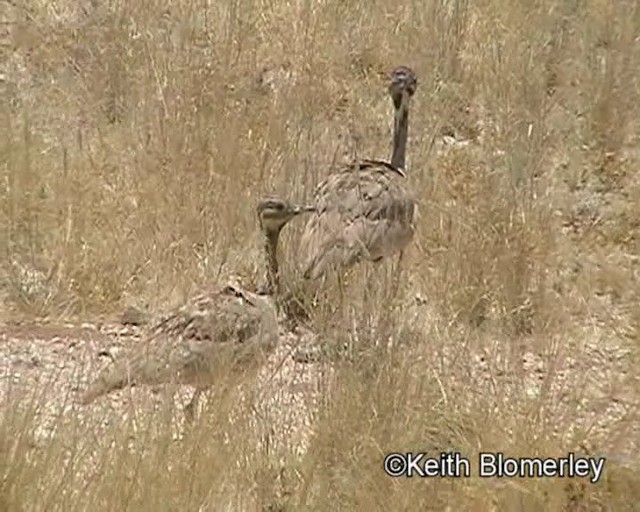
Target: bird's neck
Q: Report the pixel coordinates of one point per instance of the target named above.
(271, 253)
(400, 135)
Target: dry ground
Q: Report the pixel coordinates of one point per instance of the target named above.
(136, 140)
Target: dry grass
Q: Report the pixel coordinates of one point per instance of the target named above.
(136, 139)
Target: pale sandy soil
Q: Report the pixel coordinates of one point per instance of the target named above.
(585, 386)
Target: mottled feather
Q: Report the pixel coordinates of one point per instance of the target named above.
(188, 345)
(220, 331)
(363, 211)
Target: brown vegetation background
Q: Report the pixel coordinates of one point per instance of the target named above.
(136, 138)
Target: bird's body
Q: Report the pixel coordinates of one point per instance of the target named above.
(189, 346)
(229, 329)
(365, 210)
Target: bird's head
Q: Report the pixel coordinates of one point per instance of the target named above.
(274, 213)
(402, 85)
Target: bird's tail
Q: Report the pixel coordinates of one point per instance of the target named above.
(103, 385)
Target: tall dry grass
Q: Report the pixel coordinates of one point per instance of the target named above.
(137, 137)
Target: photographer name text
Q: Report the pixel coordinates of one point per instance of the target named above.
(493, 465)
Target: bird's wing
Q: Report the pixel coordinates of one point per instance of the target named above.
(207, 330)
(211, 316)
(364, 211)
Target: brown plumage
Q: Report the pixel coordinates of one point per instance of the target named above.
(227, 329)
(365, 210)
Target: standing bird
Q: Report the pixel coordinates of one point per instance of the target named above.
(364, 210)
(230, 328)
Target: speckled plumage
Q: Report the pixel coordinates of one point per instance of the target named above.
(184, 347)
(365, 210)
(224, 330)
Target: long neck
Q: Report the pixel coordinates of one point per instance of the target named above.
(400, 135)
(271, 254)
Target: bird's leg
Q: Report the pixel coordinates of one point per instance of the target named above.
(191, 408)
(395, 285)
(340, 318)
(340, 290)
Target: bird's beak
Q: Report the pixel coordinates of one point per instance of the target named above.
(304, 209)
